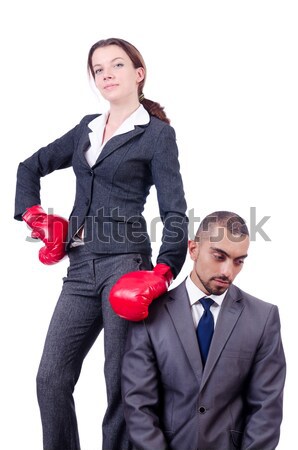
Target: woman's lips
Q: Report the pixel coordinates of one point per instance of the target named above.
(110, 86)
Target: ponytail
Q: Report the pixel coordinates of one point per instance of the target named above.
(154, 108)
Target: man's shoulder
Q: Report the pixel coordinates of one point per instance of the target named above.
(171, 295)
(249, 298)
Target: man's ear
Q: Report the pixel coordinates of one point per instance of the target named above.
(193, 248)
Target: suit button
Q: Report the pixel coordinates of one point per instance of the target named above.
(91, 173)
(202, 409)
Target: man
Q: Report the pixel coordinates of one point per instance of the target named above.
(172, 399)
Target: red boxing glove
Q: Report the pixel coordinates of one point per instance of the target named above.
(132, 294)
(51, 229)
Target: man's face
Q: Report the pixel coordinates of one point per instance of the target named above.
(218, 258)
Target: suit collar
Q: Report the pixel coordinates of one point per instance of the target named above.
(113, 144)
(139, 117)
(179, 309)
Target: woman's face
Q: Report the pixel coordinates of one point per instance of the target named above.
(114, 74)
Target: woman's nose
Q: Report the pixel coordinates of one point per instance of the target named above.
(107, 75)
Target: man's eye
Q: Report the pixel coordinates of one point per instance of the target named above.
(218, 256)
(239, 262)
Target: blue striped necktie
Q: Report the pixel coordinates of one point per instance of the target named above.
(205, 328)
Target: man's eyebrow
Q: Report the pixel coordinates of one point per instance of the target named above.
(219, 250)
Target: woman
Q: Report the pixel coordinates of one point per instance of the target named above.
(116, 157)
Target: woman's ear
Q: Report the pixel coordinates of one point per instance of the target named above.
(140, 74)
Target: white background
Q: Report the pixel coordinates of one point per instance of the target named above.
(227, 73)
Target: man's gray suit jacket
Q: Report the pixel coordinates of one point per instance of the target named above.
(234, 403)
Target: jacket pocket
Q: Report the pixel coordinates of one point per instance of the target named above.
(143, 262)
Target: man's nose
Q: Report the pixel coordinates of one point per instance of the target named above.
(227, 269)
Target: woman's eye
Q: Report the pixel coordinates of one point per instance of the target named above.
(119, 65)
(97, 71)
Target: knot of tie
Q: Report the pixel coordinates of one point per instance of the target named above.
(205, 328)
(206, 303)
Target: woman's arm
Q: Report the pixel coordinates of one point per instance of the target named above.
(171, 200)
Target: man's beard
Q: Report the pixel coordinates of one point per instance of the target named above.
(216, 290)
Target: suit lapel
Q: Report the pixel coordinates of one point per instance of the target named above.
(229, 314)
(179, 309)
(113, 144)
(83, 145)
(118, 141)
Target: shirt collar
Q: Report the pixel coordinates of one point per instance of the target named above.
(195, 294)
(139, 117)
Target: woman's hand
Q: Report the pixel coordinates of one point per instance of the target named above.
(132, 294)
(51, 229)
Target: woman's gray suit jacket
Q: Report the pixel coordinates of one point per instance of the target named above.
(110, 195)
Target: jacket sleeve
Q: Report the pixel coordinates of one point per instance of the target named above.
(171, 200)
(57, 155)
(265, 389)
(140, 391)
